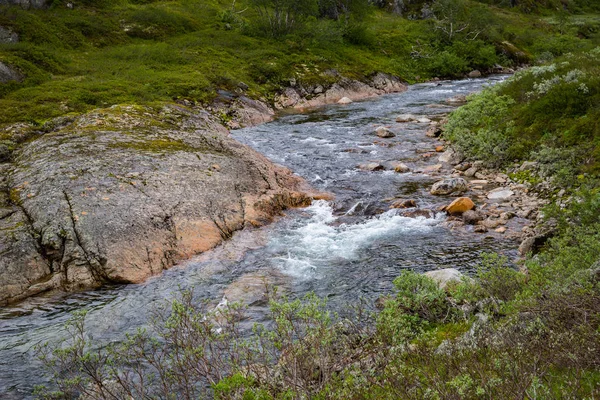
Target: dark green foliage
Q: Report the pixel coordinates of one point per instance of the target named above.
(548, 112)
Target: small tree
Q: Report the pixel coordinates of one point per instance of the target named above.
(281, 17)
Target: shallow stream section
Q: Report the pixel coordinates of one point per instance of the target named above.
(345, 249)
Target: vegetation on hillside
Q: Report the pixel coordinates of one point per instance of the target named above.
(108, 52)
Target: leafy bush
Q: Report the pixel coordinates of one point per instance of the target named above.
(447, 64)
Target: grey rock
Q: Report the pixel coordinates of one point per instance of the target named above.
(474, 74)
(500, 194)
(449, 186)
(406, 118)
(371, 167)
(472, 217)
(384, 132)
(8, 36)
(528, 166)
(400, 167)
(25, 3)
(470, 172)
(8, 74)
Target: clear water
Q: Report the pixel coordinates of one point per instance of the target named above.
(351, 247)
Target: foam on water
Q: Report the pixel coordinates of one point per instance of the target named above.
(318, 240)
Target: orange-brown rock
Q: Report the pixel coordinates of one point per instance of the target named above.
(460, 205)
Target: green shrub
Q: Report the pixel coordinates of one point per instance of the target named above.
(447, 64)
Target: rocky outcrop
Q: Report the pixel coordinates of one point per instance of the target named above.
(123, 193)
(299, 96)
(25, 3)
(8, 74)
(8, 36)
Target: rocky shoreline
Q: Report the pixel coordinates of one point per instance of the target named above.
(475, 198)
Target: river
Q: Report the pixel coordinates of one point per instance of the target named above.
(351, 247)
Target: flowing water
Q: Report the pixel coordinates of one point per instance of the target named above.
(348, 248)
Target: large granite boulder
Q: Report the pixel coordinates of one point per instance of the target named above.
(123, 193)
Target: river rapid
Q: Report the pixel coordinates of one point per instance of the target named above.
(344, 249)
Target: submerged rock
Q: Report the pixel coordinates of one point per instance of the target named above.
(123, 193)
(371, 167)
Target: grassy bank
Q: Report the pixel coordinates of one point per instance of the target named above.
(115, 52)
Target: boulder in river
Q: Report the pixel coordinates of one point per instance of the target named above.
(400, 167)
(434, 131)
(374, 166)
(410, 203)
(460, 205)
(472, 217)
(449, 186)
(405, 118)
(420, 212)
(384, 132)
(345, 100)
(444, 276)
(474, 74)
(123, 193)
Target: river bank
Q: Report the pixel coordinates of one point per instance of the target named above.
(356, 233)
